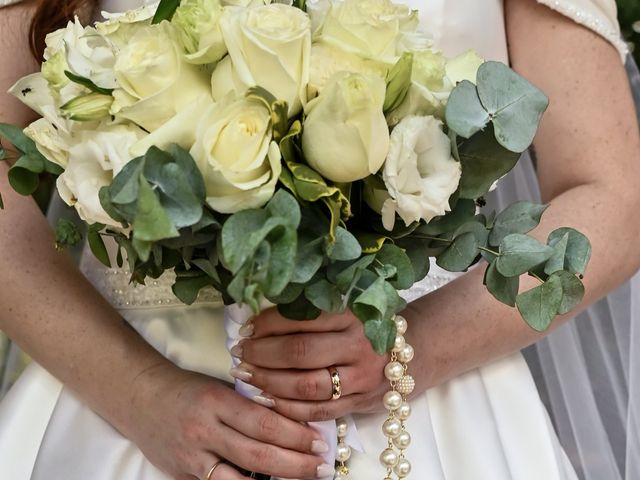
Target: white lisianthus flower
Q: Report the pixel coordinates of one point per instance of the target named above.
(420, 173)
(198, 23)
(51, 143)
(95, 159)
(154, 80)
(374, 29)
(269, 46)
(345, 136)
(235, 153)
(120, 27)
(327, 60)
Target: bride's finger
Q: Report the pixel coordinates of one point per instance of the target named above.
(270, 323)
(321, 411)
(269, 459)
(301, 351)
(223, 472)
(310, 385)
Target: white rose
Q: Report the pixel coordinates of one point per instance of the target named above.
(154, 80)
(464, 67)
(94, 160)
(345, 136)
(120, 27)
(236, 155)
(420, 174)
(198, 22)
(269, 46)
(374, 29)
(327, 60)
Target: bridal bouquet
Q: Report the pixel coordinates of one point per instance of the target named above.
(315, 155)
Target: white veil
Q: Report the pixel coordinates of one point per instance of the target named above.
(588, 371)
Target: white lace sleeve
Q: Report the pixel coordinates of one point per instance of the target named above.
(6, 3)
(601, 16)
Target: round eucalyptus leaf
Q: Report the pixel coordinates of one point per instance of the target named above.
(465, 113)
(520, 217)
(520, 253)
(460, 254)
(540, 305)
(572, 291)
(504, 289)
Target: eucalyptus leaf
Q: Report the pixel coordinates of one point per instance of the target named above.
(346, 246)
(289, 294)
(540, 305)
(325, 296)
(23, 181)
(578, 250)
(504, 289)
(520, 253)
(465, 113)
(309, 258)
(464, 210)
(345, 274)
(416, 250)
(18, 139)
(98, 248)
(460, 254)
(572, 291)
(391, 255)
(300, 309)
(520, 217)
(556, 261)
(33, 163)
(186, 289)
(381, 333)
(151, 221)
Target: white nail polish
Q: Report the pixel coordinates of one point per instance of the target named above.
(236, 351)
(325, 470)
(264, 400)
(247, 329)
(319, 446)
(241, 374)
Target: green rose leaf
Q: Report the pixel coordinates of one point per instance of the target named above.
(521, 217)
(520, 253)
(325, 296)
(460, 254)
(381, 333)
(572, 291)
(514, 105)
(465, 114)
(578, 251)
(504, 289)
(540, 305)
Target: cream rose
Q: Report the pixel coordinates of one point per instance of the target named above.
(269, 46)
(154, 80)
(345, 136)
(374, 29)
(236, 155)
(198, 22)
(420, 174)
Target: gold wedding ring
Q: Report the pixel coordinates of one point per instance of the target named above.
(213, 469)
(336, 385)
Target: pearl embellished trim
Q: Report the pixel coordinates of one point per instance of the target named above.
(591, 21)
(114, 285)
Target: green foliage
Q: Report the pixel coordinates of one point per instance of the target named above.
(87, 83)
(398, 82)
(165, 10)
(67, 234)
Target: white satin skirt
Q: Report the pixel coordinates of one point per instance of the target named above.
(487, 424)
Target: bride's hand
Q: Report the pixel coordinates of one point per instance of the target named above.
(288, 361)
(185, 423)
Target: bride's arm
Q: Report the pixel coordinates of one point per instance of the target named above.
(54, 314)
(588, 151)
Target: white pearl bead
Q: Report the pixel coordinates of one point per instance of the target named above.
(399, 343)
(341, 425)
(394, 371)
(403, 440)
(401, 325)
(406, 354)
(389, 458)
(402, 468)
(406, 385)
(392, 427)
(343, 453)
(404, 411)
(392, 400)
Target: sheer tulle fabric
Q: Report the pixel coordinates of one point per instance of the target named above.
(588, 371)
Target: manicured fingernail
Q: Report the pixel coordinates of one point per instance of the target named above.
(319, 446)
(247, 329)
(264, 400)
(325, 470)
(236, 351)
(241, 374)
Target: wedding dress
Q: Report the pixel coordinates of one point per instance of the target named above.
(486, 424)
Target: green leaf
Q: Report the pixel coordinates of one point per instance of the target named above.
(371, 304)
(241, 235)
(521, 217)
(513, 103)
(309, 259)
(345, 277)
(187, 288)
(540, 305)
(465, 113)
(483, 162)
(325, 296)
(33, 163)
(289, 294)
(520, 253)
(67, 234)
(477, 228)
(125, 186)
(572, 291)
(18, 139)
(398, 82)
(556, 261)
(578, 250)
(87, 83)
(165, 10)
(504, 289)
(151, 221)
(285, 207)
(391, 255)
(460, 254)
(98, 248)
(416, 250)
(464, 210)
(381, 333)
(300, 309)
(346, 246)
(23, 181)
